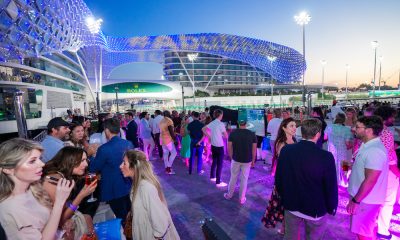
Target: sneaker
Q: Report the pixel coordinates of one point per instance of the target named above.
(382, 236)
(226, 196)
(243, 200)
(201, 172)
(213, 179)
(167, 170)
(171, 172)
(221, 184)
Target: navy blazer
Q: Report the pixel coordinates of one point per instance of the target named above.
(306, 179)
(131, 133)
(109, 157)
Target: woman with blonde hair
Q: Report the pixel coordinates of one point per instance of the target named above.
(150, 215)
(351, 117)
(26, 210)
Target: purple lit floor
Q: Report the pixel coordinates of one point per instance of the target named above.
(191, 198)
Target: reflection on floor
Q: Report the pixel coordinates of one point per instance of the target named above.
(191, 198)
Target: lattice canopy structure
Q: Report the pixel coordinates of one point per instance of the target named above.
(37, 27)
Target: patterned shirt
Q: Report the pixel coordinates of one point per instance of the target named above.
(388, 141)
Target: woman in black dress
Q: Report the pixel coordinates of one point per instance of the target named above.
(274, 212)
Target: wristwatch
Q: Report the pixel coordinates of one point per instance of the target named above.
(355, 201)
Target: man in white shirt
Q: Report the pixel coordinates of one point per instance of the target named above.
(156, 131)
(273, 127)
(368, 179)
(218, 132)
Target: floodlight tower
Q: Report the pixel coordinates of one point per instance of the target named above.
(94, 27)
(271, 61)
(193, 57)
(303, 19)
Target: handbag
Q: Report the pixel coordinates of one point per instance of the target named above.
(128, 226)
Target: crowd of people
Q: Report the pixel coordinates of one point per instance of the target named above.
(50, 188)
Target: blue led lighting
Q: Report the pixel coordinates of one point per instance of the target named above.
(40, 27)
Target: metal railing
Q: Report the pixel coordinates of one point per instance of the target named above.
(40, 136)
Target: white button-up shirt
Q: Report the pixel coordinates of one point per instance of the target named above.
(156, 124)
(217, 129)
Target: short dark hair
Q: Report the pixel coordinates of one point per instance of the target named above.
(277, 112)
(196, 114)
(158, 112)
(112, 125)
(385, 112)
(340, 118)
(167, 114)
(129, 114)
(142, 115)
(217, 113)
(373, 122)
(310, 128)
(318, 110)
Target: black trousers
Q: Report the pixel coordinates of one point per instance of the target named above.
(121, 206)
(157, 142)
(217, 160)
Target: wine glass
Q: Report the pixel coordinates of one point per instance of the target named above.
(89, 178)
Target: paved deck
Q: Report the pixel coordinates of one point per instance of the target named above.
(191, 198)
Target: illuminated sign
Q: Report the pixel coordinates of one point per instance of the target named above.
(387, 93)
(136, 87)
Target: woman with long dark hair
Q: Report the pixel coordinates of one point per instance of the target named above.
(275, 212)
(286, 135)
(71, 163)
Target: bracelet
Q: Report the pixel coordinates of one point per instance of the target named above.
(355, 201)
(72, 206)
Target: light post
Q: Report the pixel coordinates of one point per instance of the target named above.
(347, 73)
(116, 97)
(380, 71)
(374, 45)
(192, 57)
(323, 63)
(183, 92)
(271, 61)
(94, 28)
(303, 19)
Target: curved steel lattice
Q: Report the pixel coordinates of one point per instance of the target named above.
(38, 27)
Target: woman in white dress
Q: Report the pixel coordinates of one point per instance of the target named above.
(151, 217)
(340, 141)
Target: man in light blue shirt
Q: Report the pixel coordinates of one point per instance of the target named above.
(57, 130)
(145, 135)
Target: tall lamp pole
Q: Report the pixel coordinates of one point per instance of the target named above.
(271, 61)
(192, 57)
(303, 19)
(183, 99)
(116, 97)
(347, 74)
(374, 45)
(323, 63)
(380, 72)
(94, 28)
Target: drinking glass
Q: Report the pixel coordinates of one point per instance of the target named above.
(345, 165)
(89, 178)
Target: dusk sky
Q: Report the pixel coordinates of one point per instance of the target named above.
(340, 31)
